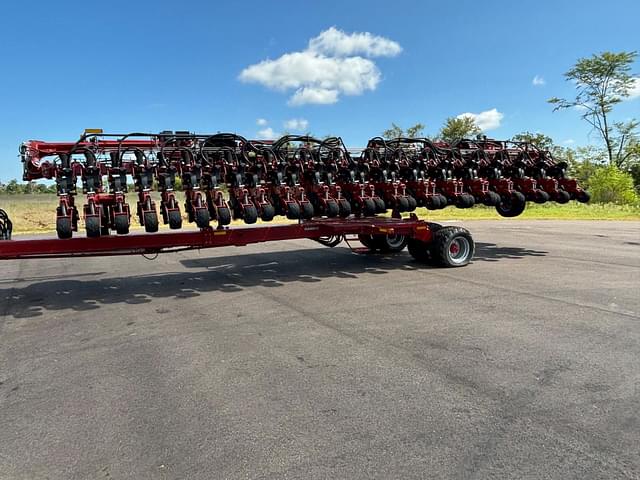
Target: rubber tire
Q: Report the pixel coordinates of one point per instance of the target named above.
(583, 196)
(443, 201)
(542, 197)
(223, 215)
(64, 228)
(121, 224)
(465, 201)
(419, 250)
(403, 204)
(383, 243)
(175, 219)
(92, 227)
(513, 207)
(562, 197)
(332, 209)
(413, 203)
(380, 205)
(250, 214)
(150, 222)
(268, 212)
(367, 241)
(345, 207)
(307, 210)
(441, 243)
(293, 211)
(202, 218)
(368, 207)
(491, 199)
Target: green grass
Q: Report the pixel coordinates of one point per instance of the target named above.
(36, 213)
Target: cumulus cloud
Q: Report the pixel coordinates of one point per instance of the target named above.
(336, 43)
(261, 122)
(538, 81)
(267, 133)
(296, 124)
(487, 120)
(328, 68)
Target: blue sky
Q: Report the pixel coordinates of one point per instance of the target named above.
(150, 66)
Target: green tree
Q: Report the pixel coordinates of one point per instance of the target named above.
(455, 128)
(540, 140)
(610, 185)
(396, 131)
(602, 81)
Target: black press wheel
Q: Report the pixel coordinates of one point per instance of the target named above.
(175, 219)
(202, 218)
(250, 214)
(403, 204)
(452, 247)
(562, 197)
(542, 197)
(491, 199)
(511, 205)
(223, 216)
(368, 207)
(307, 210)
(92, 226)
(64, 228)
(268, 212)
(380, 205)
(293, 211)
(413, 204)
(150, 222)
(583, 196)
(345, 207)
(332, 209)
(121, 224)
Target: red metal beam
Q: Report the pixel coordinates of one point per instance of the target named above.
(209, 238)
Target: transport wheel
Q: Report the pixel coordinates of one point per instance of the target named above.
(452, 247)
(202, 218)
(268, 212)
(250, 214)
(419, 250)
(543, 197)
(63, 227)
(345, 207)
(413, 204)
(380, 205)
(293, 211)
(150, 222)
(121, 223)
(391, 243)
(403, 204)
(368, 207)
(92, 226)
(332, 210)
(175, 219)
(367, 241)
(307, 210)
(511, 205)
(563, 197)
(491, 199)
(583, 196)
(223, 216)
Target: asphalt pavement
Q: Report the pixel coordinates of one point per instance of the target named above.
(292, 360)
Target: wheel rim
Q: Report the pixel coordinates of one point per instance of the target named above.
(395, 241)
(459, 249)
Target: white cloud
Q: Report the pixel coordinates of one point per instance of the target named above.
(261, 122)
(296, 124)
(487, 120)
(334, 42)
(267, 134)
(538, 81)
(327, 69)
(634, 91)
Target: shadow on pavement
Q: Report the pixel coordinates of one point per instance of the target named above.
(229, 273)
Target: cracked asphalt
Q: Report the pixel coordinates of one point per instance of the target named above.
(292, 360)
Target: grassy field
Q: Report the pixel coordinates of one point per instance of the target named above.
(36, 213)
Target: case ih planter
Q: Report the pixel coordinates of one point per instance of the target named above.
(335, 193)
